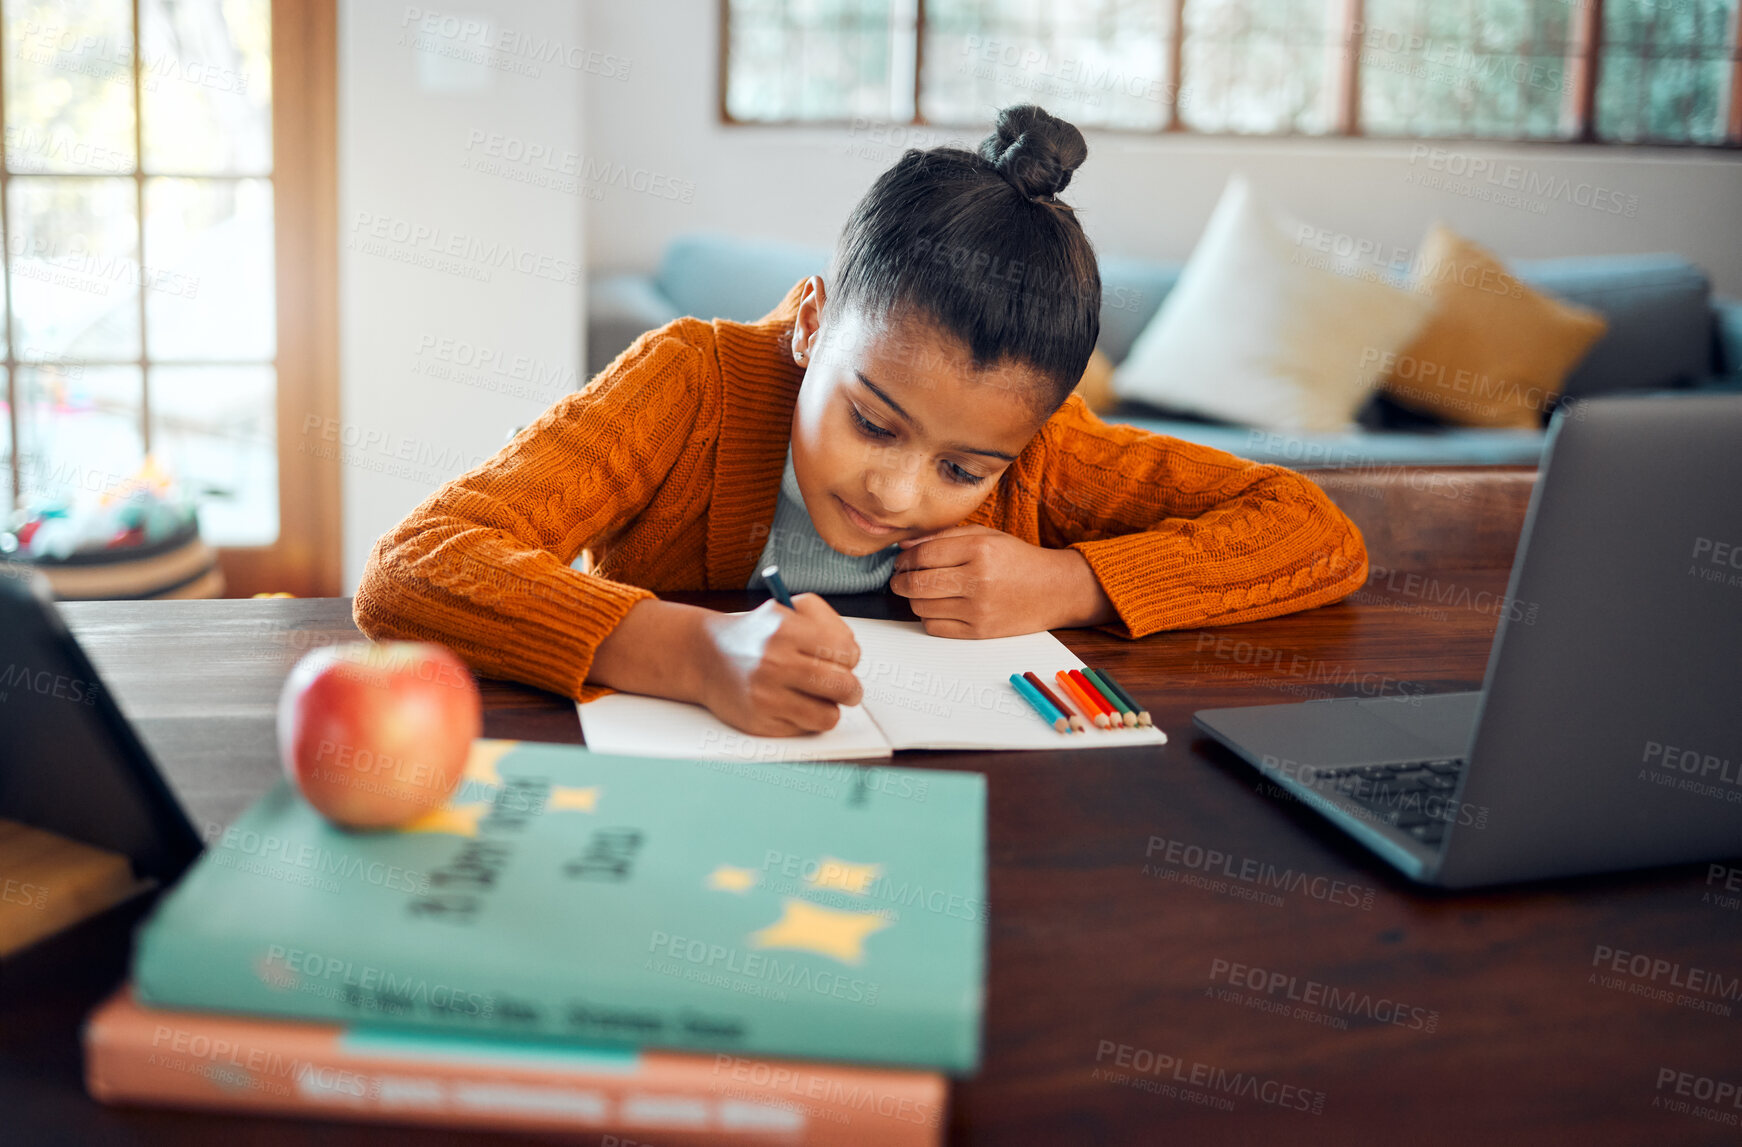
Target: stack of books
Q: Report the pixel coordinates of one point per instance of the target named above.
(689, 951)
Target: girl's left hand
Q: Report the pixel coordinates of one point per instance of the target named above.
(974, 581)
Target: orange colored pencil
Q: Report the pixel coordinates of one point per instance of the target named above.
(1075, 692)
(1078, 725)
(1115, 719)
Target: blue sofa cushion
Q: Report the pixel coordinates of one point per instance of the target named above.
(733, 277)
(1131, 294)
(1659, 309)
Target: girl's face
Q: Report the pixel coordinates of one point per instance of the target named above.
(895, 434)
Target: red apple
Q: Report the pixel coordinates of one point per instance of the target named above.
(376, 734)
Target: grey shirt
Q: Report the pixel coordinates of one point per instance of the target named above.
(807, 563)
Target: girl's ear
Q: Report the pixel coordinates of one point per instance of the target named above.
(807, 325)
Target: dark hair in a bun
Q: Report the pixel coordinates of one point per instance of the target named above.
(1036, 152)
(979, 243)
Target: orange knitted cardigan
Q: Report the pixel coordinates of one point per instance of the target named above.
(667, 466)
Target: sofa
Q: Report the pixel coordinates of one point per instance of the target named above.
(1666, 331)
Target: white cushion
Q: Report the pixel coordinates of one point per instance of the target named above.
(1266, 329)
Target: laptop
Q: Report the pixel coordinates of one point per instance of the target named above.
(1608, 731)
(69, 761)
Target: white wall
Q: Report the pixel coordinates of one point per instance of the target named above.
(1138, 195)
(461, 288)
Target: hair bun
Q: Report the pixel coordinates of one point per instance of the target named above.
(1034, 150)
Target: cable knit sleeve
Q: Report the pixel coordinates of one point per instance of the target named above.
(1182, 535)
(483, 564)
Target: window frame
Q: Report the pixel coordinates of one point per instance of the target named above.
(306, 558)
(1584, 63)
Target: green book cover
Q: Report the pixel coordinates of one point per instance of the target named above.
(823, 911)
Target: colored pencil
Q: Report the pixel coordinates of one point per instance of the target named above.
(1099, 696)
(1126, 712)
(1078, 725)
(1075, 692)
(1041, 705)
(771, 578)
(1143, 717)
(1114, 720)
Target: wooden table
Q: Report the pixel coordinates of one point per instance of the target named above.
(1112, 939)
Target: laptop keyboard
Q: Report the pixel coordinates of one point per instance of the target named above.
(1415, 796)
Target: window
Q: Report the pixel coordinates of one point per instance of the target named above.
(141, 200)
(819, 61)
(1624, 71)
(1670, 71)
(1103, 64)
(1258, 66)
(1503, 70)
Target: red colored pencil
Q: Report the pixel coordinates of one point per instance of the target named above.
(1115, 718)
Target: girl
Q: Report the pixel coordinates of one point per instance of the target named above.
(906, 422)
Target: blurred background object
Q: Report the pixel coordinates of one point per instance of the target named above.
(140, 539)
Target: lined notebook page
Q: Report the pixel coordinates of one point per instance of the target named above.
(929, 692)
(921, 692)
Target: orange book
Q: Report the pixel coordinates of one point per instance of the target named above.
(138, 1055)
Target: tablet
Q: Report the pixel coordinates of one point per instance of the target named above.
(69, 761)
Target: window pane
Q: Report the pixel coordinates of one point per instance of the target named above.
(1493, 68)
(73, 250)
(69, 86)
(1259, 65)
(818, 59)
(1665, 69)
(78, 430)
(215, 429)
(209, 271)
(206, 83)
(1097, 63)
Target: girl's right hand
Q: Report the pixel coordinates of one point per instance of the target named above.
(778, 672)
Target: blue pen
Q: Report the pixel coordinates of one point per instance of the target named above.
(1040, 704)
(771, 578)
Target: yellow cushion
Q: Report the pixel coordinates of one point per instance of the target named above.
(1096, 385)
(1493, 351)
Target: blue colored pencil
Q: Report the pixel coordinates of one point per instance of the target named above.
(1078, 725)
(1040, 704)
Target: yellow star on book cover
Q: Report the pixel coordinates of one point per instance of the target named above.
(454, 819)
(565, 797)
(727, 878)
(843, 876)
(481, 761)
(825, 931)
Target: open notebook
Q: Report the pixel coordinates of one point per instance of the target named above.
(921, 692)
